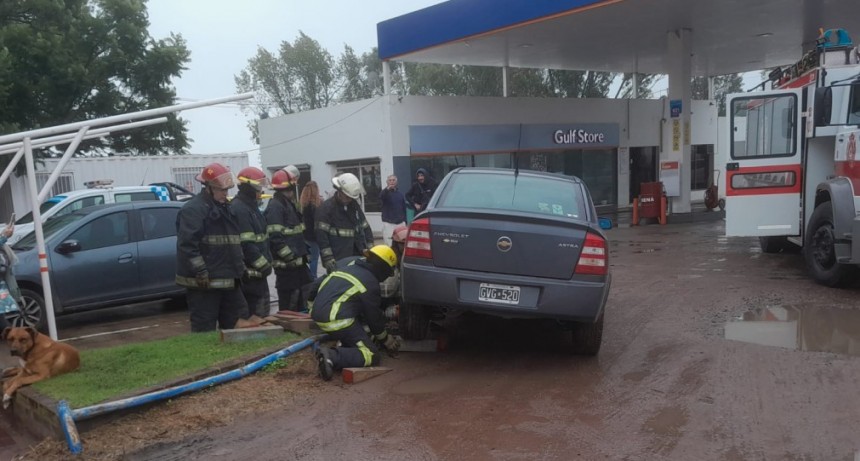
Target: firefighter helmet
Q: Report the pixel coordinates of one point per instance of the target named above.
(400, 233)
(383, 252)
(285, 177)
(217, 175)
(348, 184)
(254, 177)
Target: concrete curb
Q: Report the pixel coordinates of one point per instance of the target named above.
(36, 413)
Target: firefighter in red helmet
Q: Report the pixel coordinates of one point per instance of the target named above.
(255, 242)
(209, 259)
(290, 253)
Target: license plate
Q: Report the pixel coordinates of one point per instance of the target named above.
(503, 294)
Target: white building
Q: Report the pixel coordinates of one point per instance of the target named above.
(123, 170)
(393, 134)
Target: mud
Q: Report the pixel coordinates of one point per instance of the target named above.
(667, 384)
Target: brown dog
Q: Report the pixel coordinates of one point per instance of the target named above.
(41, 358)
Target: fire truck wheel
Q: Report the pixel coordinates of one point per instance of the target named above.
(819, 250)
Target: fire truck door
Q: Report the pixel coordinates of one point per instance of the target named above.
(765, 169)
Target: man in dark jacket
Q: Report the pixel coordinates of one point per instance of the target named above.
(342, 229)
(209, 260)
(255, 242)
(421, 191)
(347, 300)
(393, 209)
(287, 241)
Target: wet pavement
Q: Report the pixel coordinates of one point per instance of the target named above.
(712, 350)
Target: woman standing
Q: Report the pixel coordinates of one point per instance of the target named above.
(309, 201)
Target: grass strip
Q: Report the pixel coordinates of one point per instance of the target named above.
(111, 372)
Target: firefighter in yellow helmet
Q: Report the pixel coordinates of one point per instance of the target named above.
(209, 253)
(346, 301)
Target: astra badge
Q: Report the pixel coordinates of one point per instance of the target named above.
(504, 244)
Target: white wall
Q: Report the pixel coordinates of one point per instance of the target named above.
(124, 171)
(380, 127)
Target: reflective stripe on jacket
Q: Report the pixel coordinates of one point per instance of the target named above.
(253, 237)
(348, 295)
(285, 230)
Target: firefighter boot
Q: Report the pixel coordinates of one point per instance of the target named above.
(324, 363)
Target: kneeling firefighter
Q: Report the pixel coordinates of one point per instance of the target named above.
(347, 300)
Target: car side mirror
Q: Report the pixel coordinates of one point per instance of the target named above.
(69, 246)
(605, 223)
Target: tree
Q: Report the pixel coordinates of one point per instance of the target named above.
(646, 81)
(723, 85)
(73, 60)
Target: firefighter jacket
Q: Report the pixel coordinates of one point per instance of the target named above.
(253, 235)
(285, 233)
(348, 295)
(342, 230)
(207, 239)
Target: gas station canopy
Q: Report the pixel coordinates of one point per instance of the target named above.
(728, 36)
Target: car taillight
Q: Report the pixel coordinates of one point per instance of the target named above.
(593, 258)
(418, 240)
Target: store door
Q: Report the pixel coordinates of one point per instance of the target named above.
(643, 168)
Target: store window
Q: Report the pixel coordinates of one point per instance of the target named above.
(368, 172)
(702, 159)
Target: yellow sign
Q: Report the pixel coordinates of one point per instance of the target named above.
(686, 133)
(676, 135)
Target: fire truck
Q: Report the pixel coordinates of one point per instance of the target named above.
(793, 176)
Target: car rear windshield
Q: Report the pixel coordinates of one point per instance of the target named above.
(531, 194)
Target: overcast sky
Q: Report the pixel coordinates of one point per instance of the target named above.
(222, 35)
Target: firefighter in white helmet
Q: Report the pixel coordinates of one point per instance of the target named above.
(342, 230)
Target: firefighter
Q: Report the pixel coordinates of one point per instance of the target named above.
(255, 242)
(287, 241)
(209, 259)
(347, 300)
(342, 230)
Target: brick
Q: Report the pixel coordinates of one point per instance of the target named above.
(426, 345)
(357, 375)
(249, 334)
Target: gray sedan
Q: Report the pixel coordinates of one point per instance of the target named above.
(511, 244)
(98, 257)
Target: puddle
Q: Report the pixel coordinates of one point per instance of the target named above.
(814, 329)
(647, 250)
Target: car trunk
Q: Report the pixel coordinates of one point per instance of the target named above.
(511, 244)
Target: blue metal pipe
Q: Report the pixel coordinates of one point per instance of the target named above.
(68, 416)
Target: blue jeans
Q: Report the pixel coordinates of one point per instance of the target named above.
(315, 258)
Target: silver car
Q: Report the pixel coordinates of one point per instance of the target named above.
(514, 244)
(100, 256)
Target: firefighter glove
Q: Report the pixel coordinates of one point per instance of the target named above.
(330, 265)
(203, 279)
(392, 343)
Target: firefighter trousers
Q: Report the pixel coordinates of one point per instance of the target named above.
(256, 292)
(215, 307)
(357, 348)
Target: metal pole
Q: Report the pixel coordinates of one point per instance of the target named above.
(386, 78)
(505, 88)
(12, 164)
(91, 134)
(40, 240)
(59, 169)
(119, 118)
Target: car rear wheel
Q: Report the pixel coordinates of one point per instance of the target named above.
(586, 337)
(31, 314)
(414, 321)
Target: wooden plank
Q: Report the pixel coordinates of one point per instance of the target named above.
(357, 375)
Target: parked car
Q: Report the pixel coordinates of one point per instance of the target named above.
(99, 194)
(100, 256)
(513, 244)
(175, 191)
